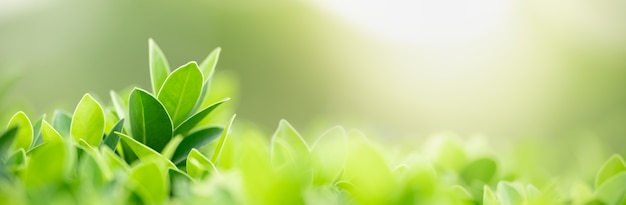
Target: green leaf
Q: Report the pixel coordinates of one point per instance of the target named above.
(6, 140)
(143, 152)
(489, 198)
(170, 148)
(159, 68)
(481, 170)
(112, 139)
(149, 180)
(119, 104)
(508, 194)
(62, 121)
(37, 132)
(17, 161)
(208, 64)
(150, 124)
(287, 144)
(199, 166)
(610, 168)
(329, 155)
(88, 121)
(613, 190)
(191, 122)
(49, 134)
(41, 170)
(181, 91)
(24, 135)
(218, 149)
(113, 161)
(180, 183)
(196, 140)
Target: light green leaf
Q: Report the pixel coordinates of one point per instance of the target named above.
(149, 180)
(208, 64)
(191, 122)
(143, 152)
(195, 140)
(170, 148)
(24, 135)
(481, 170)
(119, 104)
(199, 166)
(111, 140)
(88, 121)
(489, 198)
(508, 194)
(40, 170)
(150, 124)
(62, 121)
(613, 190)
(610, 168)
(49, 134)
(218, 150)
(181, 91)
(287, 144)
(159, 68)
(329, 155)
(113, 161)
(17, 161)
(37, 138)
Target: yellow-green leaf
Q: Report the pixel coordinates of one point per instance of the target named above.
(181, 91)
(88, 121)
(24, 135)
(199, 166)
(159, 68)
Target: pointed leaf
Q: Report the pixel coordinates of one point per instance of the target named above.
(112, 160)
(119, 104)
(208, 64)
(25, 131)
(61, 121)
(196, 140)
(509, 195)
(88, 121)
(218, 149)
(150, 124)
(489, 198)
(149, 180)
(199, 166)
(49, 134)
(611, 167)
(159, 68)
(112, 139)
(37, 138)
(481, 170)
(329, 155)
(6, 140)
(613, 190)
(287, 144)
(191, 122)
(181, 91)
(143, 152)
(170, 148)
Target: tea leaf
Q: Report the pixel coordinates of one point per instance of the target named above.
(181, 91)
(613, 190)
(143, 152)
(218, 150)
(610, 168)
(37, 137)
(24, 136)
(329, 155)
(88, 121)
(159, 68)
(112, 139)
(149, 180)
(208, 64)
(196, 140)
(49, 134)
(170, 148)
(150, 124)
(482, 170)
(40, 170)
(62, 121)
(287, 144)
(192, 121)
(6, 140)
(489, 198)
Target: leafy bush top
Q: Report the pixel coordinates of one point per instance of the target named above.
(157, 148)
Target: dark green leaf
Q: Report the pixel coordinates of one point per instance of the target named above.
(196, 140)
(192, 121)
(181, 91)
(6, 140)
(112, 139)
(150, 124)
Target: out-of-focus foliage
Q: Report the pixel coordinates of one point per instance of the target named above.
(133, 150)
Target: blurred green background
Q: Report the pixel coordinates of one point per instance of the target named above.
(553, 70)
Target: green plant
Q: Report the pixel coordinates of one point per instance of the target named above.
(155, 148)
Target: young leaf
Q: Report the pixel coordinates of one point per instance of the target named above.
(208, 64)
(150, 124)
(196, 140)
(181, 91)
(118, 104)
(489, 198)
(88, 121)
(329, 155)
(191, 122)
(61, 121)
(37, 138)
(40, 170)
(112, 139)
(159, 68)
(17, 161)
(24, 135)
(611, 167)
(613, 189)
(199, 166)
(218, 150)
(287, 144)
(481, 170)
(49, 134)
(143, 152)
(509, 195)
(149, 180)
(113, 161)
(6, 140)
(170, 148)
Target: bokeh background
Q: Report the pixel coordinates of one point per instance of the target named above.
(505, 69)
